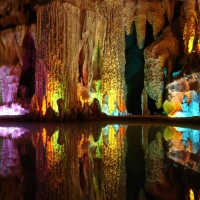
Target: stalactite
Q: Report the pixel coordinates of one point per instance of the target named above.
(1, 89)
(112, 70)
(20, 32)
(168, 5)
(59, 36)
(163, 52)
(129, 14)
(10, 82)
(57, 58)
(190, 36)
(11, 53)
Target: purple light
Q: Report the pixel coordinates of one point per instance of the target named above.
(14, 132)
(14, 109)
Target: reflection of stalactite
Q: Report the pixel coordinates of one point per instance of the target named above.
(10, 168)
(73, 166)
(10, 163)
(156, 182)
(50, 158)
(9, 188)
(113, 163)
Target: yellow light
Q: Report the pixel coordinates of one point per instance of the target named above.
(44, 105)
(44, 137)
(191, 195)
(190, 44)
(112, 101)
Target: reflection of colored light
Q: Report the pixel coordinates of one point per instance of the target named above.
(191, 195)
(44, 136)
(14, 109)
(122, 129)
(171, 133)
(15, 132)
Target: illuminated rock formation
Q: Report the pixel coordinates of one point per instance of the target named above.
(181, 101)
(11, 62)
(89, 62)
(163, 52)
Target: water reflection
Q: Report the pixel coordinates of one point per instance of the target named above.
(98, 161)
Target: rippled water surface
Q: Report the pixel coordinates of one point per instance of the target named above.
(99, 161)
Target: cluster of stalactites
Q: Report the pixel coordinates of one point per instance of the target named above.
(145, 10)
(153, 12)
(180, 37)
(81, 59)
(11, 53)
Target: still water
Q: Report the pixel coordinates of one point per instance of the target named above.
(98, 161)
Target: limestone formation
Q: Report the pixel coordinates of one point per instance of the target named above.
(163, 52)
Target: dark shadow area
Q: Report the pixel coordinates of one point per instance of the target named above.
(28, 68)
(134, 70)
